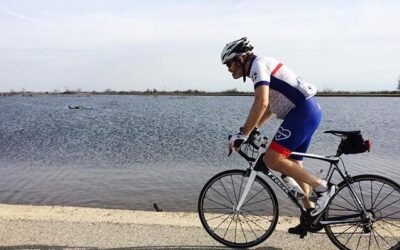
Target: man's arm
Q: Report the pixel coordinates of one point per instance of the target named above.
(258, 109)
(264, 118)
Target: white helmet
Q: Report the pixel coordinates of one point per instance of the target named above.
(235, 48)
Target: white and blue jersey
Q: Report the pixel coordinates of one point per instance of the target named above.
(292, 100)
(286, 89)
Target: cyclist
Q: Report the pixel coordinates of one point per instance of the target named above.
(278, 90)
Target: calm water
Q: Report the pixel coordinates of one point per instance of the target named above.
(131, 151)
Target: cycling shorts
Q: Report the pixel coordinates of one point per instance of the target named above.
(297, 128)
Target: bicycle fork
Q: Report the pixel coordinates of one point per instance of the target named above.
(249, 183)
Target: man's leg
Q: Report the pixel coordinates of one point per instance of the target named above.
(278, 162)
(295, 134)
(275, 161)
(308, 205)
(306, 188)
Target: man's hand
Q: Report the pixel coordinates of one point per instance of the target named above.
(235, 141)
(255, 132)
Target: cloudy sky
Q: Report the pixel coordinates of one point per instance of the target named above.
(168, 45)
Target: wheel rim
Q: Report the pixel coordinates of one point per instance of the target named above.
(252, 224)
(380, 229)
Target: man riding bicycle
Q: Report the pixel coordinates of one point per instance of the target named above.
(278, 90)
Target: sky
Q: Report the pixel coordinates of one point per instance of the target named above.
(48, 45)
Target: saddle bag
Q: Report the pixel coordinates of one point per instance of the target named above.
(353, 144)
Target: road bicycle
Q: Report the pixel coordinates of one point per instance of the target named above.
(239, 209)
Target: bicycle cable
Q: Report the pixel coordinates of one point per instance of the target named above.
(344, 166)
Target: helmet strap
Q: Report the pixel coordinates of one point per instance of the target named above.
(244, 71)
(244, 67)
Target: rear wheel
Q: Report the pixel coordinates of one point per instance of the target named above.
(256, 219)
(381, 198)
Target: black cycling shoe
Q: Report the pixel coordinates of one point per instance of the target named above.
(299, 229)
(302, 229)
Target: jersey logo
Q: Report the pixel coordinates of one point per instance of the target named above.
(282, 134)
(254, 76)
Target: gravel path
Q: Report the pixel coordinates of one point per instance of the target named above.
(45, 227)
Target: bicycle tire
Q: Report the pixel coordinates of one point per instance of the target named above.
(256, 217)
(381, 198)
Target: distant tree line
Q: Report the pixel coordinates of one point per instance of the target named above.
(154, 91)
(398, 84)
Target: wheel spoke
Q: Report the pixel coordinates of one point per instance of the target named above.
(240, 189)
(352, 234)
(342, 233)
(370, 233)
(228, 200)
(390, 223)
(387, 229)
(358, 243)
(376, 198)
(257, 215)
(215, 208)
(381, 237)
(252, 197)
(253, 222)
(387, 216)
(372, 195)
(217, 202)
(384, 199)
(226, 191)
(246, 220)
(375, 238)
(234, 191)
(344, 208)
(219, 216)
(348, 201)
(244, 235)
(246, 205)
(222, 222)
(362, 196)
(236, 222)
(380, 209)
(227, 229)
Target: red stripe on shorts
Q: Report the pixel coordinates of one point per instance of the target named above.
(280, 149)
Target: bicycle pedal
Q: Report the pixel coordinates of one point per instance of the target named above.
(302, 235)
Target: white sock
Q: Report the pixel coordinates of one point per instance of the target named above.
(323, 186)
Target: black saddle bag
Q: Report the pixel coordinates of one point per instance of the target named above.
(353, 144)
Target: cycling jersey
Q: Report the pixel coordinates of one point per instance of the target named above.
(291, 99)
(286, 89)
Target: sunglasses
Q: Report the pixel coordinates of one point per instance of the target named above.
(229, 63)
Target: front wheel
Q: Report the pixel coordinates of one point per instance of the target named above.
(248, 227)
(380, 197)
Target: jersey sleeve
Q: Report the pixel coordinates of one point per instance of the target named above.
(260, 74)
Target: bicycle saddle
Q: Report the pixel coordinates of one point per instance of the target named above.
(343, 133)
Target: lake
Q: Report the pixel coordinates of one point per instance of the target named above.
(128, 152)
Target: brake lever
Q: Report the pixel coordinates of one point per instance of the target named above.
(230, 150)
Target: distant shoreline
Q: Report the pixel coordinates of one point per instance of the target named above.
(199, 93)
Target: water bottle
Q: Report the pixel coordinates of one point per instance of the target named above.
(313, 196)
(293, 186)
(320, 174)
